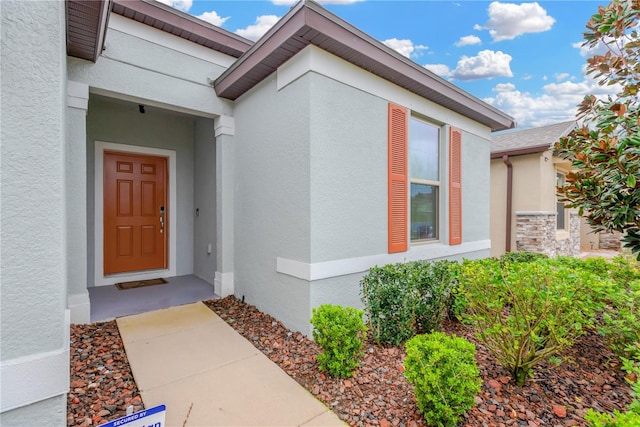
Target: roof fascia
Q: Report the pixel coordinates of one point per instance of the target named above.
(520, 151)
(284, 29)
(344, 33)
(308, 13)
(167, 14)
(102, 28)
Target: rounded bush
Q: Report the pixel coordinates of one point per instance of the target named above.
(340, 332)
(444, 374)
(405, 299)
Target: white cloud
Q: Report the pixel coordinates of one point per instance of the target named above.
(257, 30)
(468, 40)
(404, 47)
(504, 87)
(557, 103)
(562, 76)
(183, 5)
(508, 20)
(292, 2)
(439, 69)
(486, 65)
(603, 46)
(213, 18)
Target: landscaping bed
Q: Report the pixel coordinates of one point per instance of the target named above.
(102, 385)
(378, 393)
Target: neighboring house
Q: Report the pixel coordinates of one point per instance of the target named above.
(525, 211)
(279, 171)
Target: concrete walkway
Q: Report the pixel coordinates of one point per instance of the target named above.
(190, 360)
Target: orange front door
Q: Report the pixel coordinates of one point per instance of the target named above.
(135, 212)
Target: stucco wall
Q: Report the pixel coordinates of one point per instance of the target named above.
(476, 187)
(122, 123)
(204, 263)
(348, 131)
(32, 202)
(271, 198)
(534, 191)
(146, 66)
(317, 197)
(498, 207)
(528, 194)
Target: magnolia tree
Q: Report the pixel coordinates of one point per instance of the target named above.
(605, 147)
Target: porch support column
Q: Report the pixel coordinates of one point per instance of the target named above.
(224, 131)
(76, 201)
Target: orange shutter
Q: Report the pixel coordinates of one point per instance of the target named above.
(398, 178)
(455, 186)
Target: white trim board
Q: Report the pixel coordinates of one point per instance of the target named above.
(33, 378)
(99, 277)
(346, 266)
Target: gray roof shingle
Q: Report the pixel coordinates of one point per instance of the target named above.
(529, 140)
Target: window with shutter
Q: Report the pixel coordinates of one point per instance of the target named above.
(398, 178)
(455, 186)
(424, 180)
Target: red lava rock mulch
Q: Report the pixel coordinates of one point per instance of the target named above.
(378, 394)
(102, 385)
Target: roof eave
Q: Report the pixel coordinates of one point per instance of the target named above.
(191, 28)
(520, 151)
(87, 22)
(383, 61)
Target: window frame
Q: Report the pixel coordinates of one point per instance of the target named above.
(437, 184)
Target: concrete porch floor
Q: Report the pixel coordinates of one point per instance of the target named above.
(107, 302)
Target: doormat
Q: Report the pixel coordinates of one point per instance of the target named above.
(139, 283)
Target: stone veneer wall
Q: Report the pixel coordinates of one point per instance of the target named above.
(570, 245)
(536, 232)
(610, 241)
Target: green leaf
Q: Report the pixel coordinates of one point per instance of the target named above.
(631, 181)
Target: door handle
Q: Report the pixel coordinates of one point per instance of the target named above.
(161, 224)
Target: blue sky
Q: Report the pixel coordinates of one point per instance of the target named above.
(522, 57)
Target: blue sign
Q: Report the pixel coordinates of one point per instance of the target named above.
(152, 417)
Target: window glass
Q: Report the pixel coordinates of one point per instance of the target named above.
(424, 211)
(423, 150)
(424, 173)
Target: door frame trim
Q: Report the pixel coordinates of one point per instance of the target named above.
(99, 278)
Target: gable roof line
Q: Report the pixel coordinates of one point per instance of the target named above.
(309, 23)
(178, 23)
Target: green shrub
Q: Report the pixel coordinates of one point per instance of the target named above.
(525, 312)
(521, 256)
(621, 320)
(620, 268)
(340, 332)
(444, 374)
(402, 300)
(617, 419)
(626, 268)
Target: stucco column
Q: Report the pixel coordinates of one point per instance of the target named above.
(224, 131)
(76, 201)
